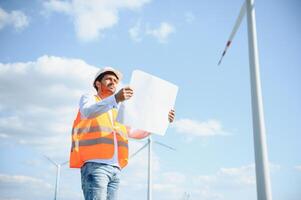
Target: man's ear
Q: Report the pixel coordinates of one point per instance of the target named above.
(98, 85)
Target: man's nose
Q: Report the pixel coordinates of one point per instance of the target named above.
(112, 83)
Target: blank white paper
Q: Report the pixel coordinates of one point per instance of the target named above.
(149, 107)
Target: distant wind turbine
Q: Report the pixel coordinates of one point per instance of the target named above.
(260, 146)
(58, 174)
(186, 196)
(149, 177)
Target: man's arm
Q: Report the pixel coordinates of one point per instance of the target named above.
(90, 108)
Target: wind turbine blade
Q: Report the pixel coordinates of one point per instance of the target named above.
(164, 145)
(134, 154)
(53, 162)
(234, 30)
(63, 163)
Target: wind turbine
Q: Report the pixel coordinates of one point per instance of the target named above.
(58, 174)
(186, 196)
(149, 177)
(259, 133)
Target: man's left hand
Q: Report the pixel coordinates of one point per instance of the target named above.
(171, 116)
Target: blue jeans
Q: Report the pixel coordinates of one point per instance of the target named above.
(100, 181)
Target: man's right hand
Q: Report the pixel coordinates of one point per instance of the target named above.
(124, 94)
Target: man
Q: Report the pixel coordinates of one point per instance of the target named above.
(99, 142)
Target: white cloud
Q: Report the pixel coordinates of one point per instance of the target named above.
(197, 128)
(230, 177)
(208, 194)
(92, 18)
(2, 135)
(174, 177)
(223, 184)
(241, 179)
(244, 175)
(40, 99)
(58, 6)
(17, 187)
(189, 17)
(15, 18)
(274, 167)
(298, 167)
(20, 179)
(162, 32)
(136, 32)
(139, 31)
(226, 183)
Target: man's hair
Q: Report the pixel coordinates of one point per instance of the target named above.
(99, 78)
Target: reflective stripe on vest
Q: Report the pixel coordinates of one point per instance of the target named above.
(93, 142)
(79, 131)
(91, 130)
(98, 141)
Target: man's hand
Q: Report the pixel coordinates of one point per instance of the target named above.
(124, 94)
(171, 116)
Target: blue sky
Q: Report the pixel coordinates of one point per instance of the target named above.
(50, 51)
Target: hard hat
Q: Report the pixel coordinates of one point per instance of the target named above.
(108, 69)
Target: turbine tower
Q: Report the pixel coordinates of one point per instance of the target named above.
(186, 196)
(58, 174)
(149, 174)
(260, 146)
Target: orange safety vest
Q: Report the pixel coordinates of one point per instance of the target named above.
(93, 138)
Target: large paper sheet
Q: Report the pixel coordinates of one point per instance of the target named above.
(152, 100)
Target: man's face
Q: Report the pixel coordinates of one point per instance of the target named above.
(108, 84)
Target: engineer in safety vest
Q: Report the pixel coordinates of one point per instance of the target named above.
(99, 142)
